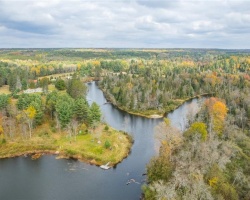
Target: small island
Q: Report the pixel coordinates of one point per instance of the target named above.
(99, 146)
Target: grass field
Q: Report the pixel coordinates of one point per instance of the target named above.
(4, 89)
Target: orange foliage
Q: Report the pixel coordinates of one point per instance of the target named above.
(217, 111)
(212, 79)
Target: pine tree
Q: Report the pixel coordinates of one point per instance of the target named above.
(81, 109)
(94, 114)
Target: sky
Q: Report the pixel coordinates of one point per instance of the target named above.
(125, 24)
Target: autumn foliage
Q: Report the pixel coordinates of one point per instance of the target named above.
(217, 112)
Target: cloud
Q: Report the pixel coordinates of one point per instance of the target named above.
(125, 23)
(158, 4)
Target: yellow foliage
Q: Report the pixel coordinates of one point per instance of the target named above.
(1, 130)
(19, 117)
(36, 69)
(30, 112)
(96, 63)
(124, 64)
(219, 114)
(213, 181)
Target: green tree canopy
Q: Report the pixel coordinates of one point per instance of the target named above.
(64, 108)
(94, 114)
(81, 109)
(76, 88)
(60, 84)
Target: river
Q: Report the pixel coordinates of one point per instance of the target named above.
(48, 178)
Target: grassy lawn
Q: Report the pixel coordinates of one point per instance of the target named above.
(88, 147)
(51, 87)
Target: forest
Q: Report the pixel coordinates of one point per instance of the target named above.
(208, 159)
(57, 119)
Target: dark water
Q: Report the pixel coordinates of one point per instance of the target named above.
(48, 178)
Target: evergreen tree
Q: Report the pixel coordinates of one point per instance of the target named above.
(64, 108)
(51, 102)
(3, 101)
(76, 88)
(81, 109)
(94, 114)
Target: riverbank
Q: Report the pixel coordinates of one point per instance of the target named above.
(153, 113)
(99, 147)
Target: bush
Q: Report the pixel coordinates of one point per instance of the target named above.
(70, 152)
(148, 193)
(60, 84)
(107, 144)
(106, 128)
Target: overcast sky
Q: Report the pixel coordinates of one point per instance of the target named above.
(125, 23)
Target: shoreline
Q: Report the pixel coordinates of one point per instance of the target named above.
(152, 116)
(71, 150)
(62, 155)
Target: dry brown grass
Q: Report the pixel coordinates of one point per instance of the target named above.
(4, 89)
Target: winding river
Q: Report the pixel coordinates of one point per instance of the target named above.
(48, 178)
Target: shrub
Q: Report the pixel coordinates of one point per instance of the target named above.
(106, 128)
(107, 144)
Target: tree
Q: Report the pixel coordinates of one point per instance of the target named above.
(51, 99)
(39, 112)
(76, 88)
(81, 109)
(170, 137)
(217, 111)
(72, 128)
(44, 83)
(199, 128)
(30, 114)
(4, 99)
(64, 108)
(60, 84)
(94, 116)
